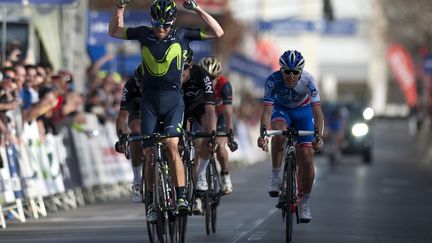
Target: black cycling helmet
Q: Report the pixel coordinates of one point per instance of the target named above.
(163, 10)
(189, 56)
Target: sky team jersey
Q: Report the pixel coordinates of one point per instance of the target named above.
(130, 92)
(198, 90)
(223, 94)
(162, 59)
(305, 92)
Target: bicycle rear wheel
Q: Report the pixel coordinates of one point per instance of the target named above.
(208, 202)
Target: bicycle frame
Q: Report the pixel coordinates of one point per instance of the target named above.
(288, 199)
(164, 196)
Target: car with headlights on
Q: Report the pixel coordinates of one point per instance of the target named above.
(358, 131)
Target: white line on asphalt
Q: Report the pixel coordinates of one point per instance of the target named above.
(255, 225)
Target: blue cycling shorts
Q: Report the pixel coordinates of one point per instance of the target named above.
(302, 117)
(166, 106)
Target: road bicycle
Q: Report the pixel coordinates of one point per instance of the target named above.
(289, 197)
(211, 197)
(168, 222)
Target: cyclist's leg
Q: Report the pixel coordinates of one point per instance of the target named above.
(222, 152)
(173, 122)
(136, 158)
(148, 124)
(303, 120)
(134, 124)
(279, 119)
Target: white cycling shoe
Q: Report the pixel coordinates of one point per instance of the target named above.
(305, 213)
(151, 214)
(226, 184)
(201, 183)
(136, 193)
(275, 185)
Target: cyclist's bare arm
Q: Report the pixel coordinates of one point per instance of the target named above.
(116, 25)
(319, 118)
(121, 127)
(216, 29)
(266, 116)
(265, 121)
(210, 116)
(228, 115)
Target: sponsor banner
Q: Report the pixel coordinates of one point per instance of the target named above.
(6, 184)
(71, 171)
(32, 142)
(402, 67)
(294, 26)
(14, 171)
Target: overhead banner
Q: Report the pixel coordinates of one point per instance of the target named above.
(402, 67)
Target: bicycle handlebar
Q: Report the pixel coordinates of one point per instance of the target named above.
(290, 132)
(153, 137)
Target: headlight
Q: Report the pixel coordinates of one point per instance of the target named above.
(368, 113)
(359, 129)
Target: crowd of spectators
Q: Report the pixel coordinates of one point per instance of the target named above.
(34, 92)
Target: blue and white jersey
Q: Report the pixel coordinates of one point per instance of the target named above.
(278, 94)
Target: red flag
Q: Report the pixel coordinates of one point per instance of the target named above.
(402, 67)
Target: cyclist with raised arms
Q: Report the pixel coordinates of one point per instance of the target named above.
(291, 96)
(223, 98)
(162, 48)
(130, 112)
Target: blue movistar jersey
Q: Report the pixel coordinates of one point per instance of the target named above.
(162, 59)
(278, 94)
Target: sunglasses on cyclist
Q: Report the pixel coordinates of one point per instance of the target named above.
(158, 24)
(288, 71)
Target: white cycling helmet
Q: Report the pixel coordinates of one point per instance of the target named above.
(212, 65)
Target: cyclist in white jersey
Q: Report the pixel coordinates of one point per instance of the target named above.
(292, 97)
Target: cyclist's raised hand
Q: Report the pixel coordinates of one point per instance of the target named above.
(318, 145)
(122, 3)
(263, 143)
(190, 4)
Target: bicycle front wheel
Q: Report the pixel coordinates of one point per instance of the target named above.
(288, 205)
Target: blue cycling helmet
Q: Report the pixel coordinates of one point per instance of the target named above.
(292, 60)
(163, 10)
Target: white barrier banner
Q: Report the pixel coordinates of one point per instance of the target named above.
(7, 191)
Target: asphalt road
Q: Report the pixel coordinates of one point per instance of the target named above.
(388, 201)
